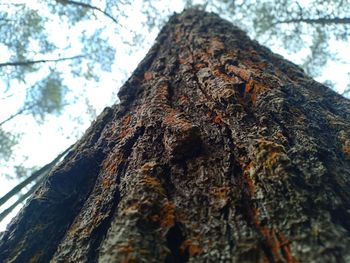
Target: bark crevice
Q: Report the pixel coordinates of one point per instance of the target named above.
(175, 239)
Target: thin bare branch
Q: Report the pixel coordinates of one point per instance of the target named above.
(22, 198)
(6, 97)
(41, 172)
(16, 114)
(31, 62)
(89, 7)
(321, 21)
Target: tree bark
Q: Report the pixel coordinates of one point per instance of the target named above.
(219, 151)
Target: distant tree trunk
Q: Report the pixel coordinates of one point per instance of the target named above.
(219, 151)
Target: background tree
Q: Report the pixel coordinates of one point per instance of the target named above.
(38, 67)
(218, 150)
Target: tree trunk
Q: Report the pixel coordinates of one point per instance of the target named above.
(219, 151)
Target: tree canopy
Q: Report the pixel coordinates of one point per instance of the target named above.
(58, 55)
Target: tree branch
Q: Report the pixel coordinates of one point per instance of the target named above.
(20, 199)
(321, 21)
(41, 172)
(89, 7)
(31, 62)
(16, 114)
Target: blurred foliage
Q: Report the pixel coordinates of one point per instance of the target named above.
(46, 96)
(7, 141)
(45, 44)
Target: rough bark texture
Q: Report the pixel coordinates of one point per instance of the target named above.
(219, 151)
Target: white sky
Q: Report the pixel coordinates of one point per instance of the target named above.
(42, 144)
